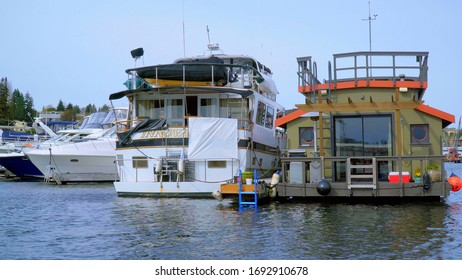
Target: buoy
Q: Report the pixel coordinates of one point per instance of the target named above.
(427, 182)
(323, 187)
(456, 183)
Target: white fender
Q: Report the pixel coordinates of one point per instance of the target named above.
(158, 167)
(217, 195)
(181, 166)
(275, 179)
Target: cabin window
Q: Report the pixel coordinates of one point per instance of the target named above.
(142, 108)
(269, 117)
(157, 109)
(216, 164)
(175, 112)
(140, 162)
(419, 134)
(230, 108)
(208, 107)
(261, 111)
(153, 109)
(306, 136)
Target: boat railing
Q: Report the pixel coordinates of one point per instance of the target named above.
(302, 170)
(366, 66)
(124, 125)
(238, 76)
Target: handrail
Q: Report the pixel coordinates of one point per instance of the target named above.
(399, 162)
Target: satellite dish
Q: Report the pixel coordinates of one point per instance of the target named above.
(137, 53)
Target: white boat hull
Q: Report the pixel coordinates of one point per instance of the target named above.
(91, 161)
(166, 189)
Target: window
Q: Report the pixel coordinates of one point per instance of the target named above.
(419, 134)
(208, 107)
(306, 136)
(175, 112)
(357, 136)
(230, 108)
(216, 164)
(269, 117)
(261, 111)
(140, 162)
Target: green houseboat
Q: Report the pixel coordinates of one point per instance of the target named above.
(365, 132)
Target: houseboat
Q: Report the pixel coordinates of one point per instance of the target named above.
(364, 132)
(193, 125)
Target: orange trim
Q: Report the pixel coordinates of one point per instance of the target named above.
(437, 113)
(364, 84)
(290, 117)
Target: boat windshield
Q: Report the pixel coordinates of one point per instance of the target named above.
(114, 115)
(96, 120)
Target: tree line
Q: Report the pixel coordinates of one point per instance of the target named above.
(16, 106)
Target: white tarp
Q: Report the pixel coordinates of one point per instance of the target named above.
(212, 138)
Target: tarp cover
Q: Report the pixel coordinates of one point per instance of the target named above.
(145, 125)
(212, 138)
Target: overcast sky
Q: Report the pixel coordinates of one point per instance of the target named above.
(78, 51)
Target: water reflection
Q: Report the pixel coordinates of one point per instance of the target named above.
(81, 222)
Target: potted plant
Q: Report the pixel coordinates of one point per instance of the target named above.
(417, 174)
(435, 174)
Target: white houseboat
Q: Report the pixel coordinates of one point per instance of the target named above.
(194, 124)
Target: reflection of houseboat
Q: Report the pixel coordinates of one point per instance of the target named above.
(365, 132)
(194, 124)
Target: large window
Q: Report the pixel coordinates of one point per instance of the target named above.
(363, 136)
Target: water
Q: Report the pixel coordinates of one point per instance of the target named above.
(42, 221)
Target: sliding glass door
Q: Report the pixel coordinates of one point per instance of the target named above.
(363, 136)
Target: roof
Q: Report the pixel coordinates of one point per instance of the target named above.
(445, 117)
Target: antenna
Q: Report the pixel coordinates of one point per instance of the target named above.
(184, 43)
(370, 19)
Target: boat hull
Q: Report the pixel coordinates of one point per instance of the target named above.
(166, 189)
(90, 161)
(20, 166)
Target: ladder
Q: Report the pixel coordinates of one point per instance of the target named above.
(248, 203)
(368, 180)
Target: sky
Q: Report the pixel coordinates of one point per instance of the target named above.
(77, 51)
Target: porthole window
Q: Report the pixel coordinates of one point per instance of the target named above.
(419, 134)
(306, 136)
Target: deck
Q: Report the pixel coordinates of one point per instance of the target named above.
(362, 178)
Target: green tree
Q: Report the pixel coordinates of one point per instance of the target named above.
(17, 105)
(4, 97)
(29, 105)
(90, 109)
(105, 108)
(60, 107)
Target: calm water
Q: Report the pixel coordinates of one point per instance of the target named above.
(40, 221)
